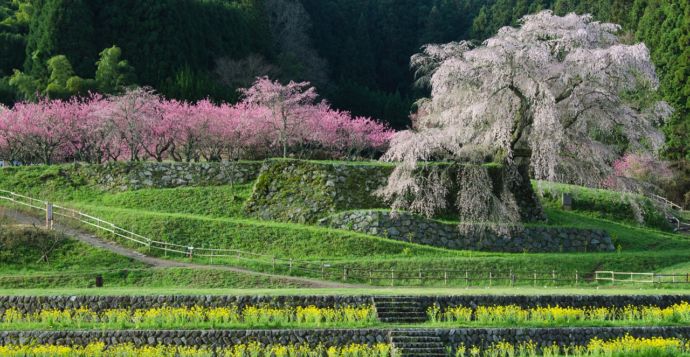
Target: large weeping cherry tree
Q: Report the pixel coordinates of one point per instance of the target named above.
(563, 95)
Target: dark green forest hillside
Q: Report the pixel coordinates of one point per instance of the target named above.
(356, 51)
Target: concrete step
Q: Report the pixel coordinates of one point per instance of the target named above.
(401, 320)
(416, 338)
(417, 343)
(441, 351)
(399, 309)
(425, 345)
(411, 333)
(390, 310)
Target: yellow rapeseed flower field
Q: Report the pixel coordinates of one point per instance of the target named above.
(513, 314)
(167, 317)
(627, 346)
(252, 349)
(623, 346)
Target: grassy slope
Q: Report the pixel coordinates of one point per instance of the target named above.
(225, 204)
(213, 216)
(75, 264)
(643, 249)
(630, 237)
(598, 203)
(70, 256)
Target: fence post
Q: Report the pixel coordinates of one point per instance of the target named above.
(535, 278)
(511, 277)
(323, 272)
(191, 252)
(553, 277)
(421, 281)
(49, 216)
(577, 277)
(290, 265)
(490, 278)
(370, 279)
(445, 278)
(467, 278)
(344, 274)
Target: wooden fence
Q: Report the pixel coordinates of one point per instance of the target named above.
(322, 269)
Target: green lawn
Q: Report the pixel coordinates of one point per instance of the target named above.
(73, 264)
(69, 256)
(622, 207)
(214, 217)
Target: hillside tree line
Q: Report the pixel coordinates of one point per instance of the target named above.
(357, 52)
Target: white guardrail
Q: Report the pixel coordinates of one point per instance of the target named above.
(53, 210)
(644, 278)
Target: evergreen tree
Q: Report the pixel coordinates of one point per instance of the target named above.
(113, 74)
(61, 27)
(665, 28)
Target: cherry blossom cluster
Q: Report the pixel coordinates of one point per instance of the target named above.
(635, 169)
(140, 125)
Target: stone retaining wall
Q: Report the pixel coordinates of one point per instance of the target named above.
(568, 336)
(30, 304)
(409, 228)
(132, 176)
(305, 191)
(330, 337)
(577, 301)
(450, 337)
(216, 338)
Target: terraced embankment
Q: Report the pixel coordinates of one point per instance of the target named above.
(336, 321)
(135, 255)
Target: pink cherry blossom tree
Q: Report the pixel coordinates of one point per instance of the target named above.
(161, 128)
(552, 93)
(129, 114)
(42, 129)
(342, 135)
(89, 131)
(186, 145)
(287, 104)
(639, 172)
(139, 124)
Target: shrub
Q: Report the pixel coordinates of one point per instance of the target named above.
(32, 241)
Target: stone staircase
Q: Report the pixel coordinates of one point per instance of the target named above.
(417, 343)
(408, 342)
(399, 309)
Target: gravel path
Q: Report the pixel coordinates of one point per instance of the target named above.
(94, 241)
